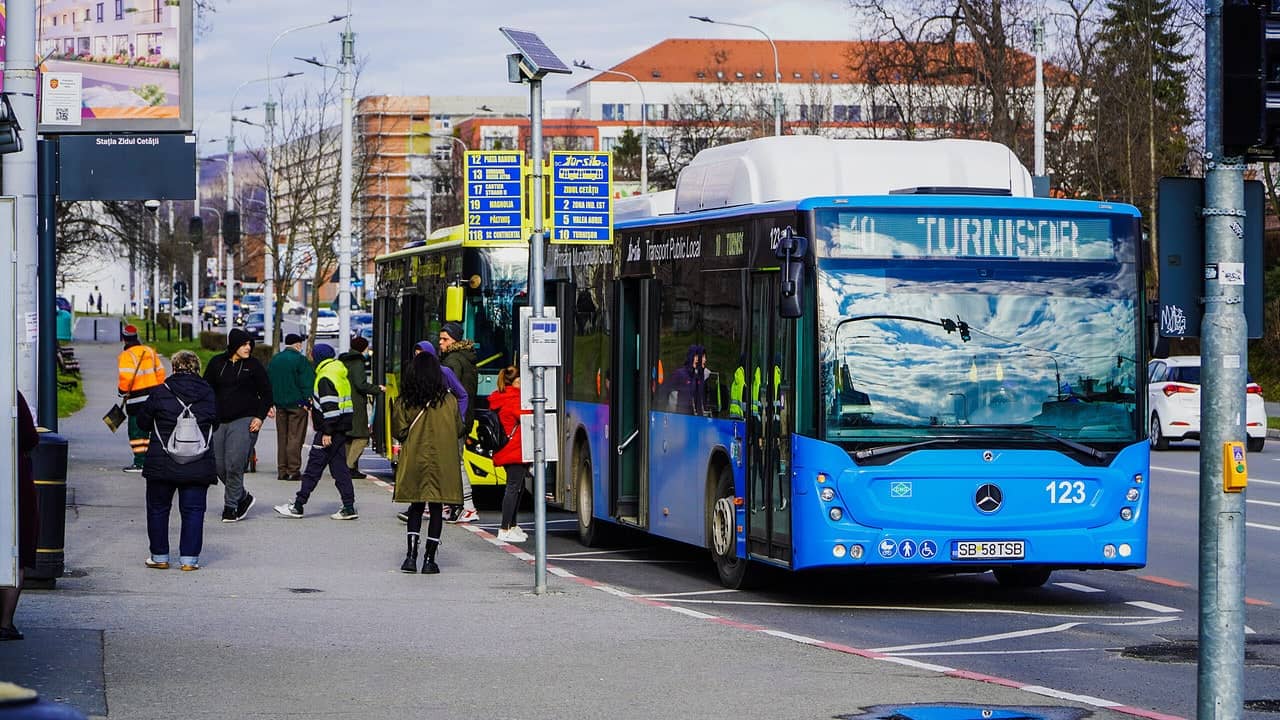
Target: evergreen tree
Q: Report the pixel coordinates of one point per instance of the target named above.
(1140, 116)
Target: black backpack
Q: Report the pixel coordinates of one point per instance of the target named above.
(489, 435)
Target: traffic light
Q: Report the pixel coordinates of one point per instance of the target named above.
(1246, 74)
(10, 139)
(231, 228)
(195, 231)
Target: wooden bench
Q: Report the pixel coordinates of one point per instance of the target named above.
(67, 361)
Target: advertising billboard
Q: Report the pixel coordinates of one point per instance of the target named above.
(115, 65)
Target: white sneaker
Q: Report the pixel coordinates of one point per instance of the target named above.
(511, 536)
(467, 516)
(518, 534)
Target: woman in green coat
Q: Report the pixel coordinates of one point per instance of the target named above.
(426, 422)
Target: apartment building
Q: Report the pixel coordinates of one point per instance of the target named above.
(108, 30)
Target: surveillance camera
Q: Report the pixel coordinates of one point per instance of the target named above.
(152, 206)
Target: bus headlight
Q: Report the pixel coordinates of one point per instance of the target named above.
(838, 551)
(1125, 550)
(1133, 495)
(835, 513)
(1109, 551)
(1126, 513)
(827, 494)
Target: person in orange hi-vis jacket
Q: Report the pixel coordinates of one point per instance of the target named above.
(140, 370)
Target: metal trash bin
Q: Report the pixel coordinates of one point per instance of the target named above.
(49, 465)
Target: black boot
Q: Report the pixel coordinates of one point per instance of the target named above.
(429, 566)
(410, 564)
(356, 474)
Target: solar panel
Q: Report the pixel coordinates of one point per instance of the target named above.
(535, 51)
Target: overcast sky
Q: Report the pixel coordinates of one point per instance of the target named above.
(412, 47)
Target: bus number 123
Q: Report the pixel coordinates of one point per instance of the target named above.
(1065, 492)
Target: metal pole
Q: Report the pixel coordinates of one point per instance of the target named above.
(195, 259)
(269, 260)
(344, 234)
(538, 394)
(155, 271)
(1038, 30)
(47, 377)
(231, 205)
(1224, 362)
(20, 182)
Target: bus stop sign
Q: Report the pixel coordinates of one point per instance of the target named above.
(1180, 201)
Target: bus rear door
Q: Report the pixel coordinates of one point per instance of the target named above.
(635, 336)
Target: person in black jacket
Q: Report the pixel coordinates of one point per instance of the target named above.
(243, 394)
(331, 418)
(165, 476)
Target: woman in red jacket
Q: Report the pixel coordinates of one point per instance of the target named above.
(506, 402)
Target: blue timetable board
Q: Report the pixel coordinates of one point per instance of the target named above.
(494, 196)
(581, 198)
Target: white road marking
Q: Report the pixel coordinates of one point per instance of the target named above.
(1148, 621)
(596, 552)
(1180, 471)
(790, 636)
(911, 608)
(1260, 526)
(691, 592)
(1087, 699)
(917, 664)
(980, 639)
(690, 613)
(621, 560)
(1153, 607)
(1078, 587)
(1268, 503)
(613, 591)
(999, 652)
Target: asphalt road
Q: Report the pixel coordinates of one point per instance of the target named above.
(1127, 637)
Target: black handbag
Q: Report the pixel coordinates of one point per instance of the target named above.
(115, 417)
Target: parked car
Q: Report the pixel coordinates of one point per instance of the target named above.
(1173, 396)
(326, 323)
(360, 320)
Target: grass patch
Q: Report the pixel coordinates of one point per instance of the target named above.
(1273, 423)
(70, 400)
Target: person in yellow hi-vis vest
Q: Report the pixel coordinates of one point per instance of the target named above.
(140, 371)
(331, 410)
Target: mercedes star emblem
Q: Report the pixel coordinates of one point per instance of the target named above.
(988, 498)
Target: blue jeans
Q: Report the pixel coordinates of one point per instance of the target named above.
(191, 507)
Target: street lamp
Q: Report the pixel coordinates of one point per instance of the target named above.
(644, 121)
(777, 74)
(153, 209)
(231, 181)
(269, 267)
(344, 186)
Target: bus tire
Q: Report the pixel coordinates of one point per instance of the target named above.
(590, 532)
(735, 573)
(1022, 577)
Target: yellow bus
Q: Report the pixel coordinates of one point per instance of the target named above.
(448, 279)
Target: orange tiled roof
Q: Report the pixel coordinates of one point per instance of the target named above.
(799, 61)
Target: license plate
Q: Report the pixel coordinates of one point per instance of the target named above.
(988, 550)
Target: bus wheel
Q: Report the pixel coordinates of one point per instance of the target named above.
(590, 533)
(735, 572)
(1019, 577)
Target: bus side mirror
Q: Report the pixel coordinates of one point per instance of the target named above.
(453, 303)
(791, 249)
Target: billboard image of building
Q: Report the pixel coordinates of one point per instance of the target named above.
(132, 57)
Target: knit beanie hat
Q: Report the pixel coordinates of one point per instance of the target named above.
(321, 352)
(454, 330)
(128, 332)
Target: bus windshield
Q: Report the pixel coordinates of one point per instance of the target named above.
(977, 346)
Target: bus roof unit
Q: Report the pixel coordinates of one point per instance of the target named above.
(644, 206)
(766, 170)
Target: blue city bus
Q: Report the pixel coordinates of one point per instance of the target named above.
(860, 354)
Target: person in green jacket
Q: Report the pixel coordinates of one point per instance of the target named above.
(291, 378)
(362, 391)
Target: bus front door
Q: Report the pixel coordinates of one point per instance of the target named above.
(770, 362)
(634, 335)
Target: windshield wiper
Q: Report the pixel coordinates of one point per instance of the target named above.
(903, 447)
(1092, 452)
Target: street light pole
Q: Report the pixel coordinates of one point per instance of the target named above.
(344, 233)
(777, 73)
(644, 120)
(269, 264)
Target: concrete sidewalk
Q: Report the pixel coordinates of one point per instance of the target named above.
(311, 618)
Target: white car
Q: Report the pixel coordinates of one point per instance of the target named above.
(326, 323)
(1173, 397)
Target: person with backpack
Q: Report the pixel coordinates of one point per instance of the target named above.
(243, 393)
(331, 418)
(180, 417)
(505, 401)
(459, 355)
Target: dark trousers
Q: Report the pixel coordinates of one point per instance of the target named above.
(291, 432)
(516, 475)
(333, 457)
(191, 507)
